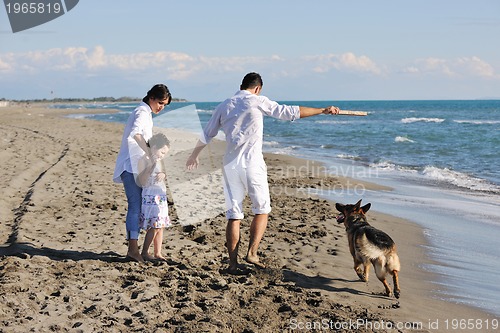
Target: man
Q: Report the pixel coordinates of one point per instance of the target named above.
(241, 119)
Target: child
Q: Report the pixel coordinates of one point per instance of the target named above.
(154, 210)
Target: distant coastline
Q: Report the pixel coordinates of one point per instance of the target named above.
(85, 100)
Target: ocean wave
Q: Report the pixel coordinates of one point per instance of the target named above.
(384, 165)
(124, 106)
(79, 116)
(271, 143)
(425, 120)
(443, 175)
(204, 111)
(478, 122)
(349, 157)
(389, 166)
(402, 139)
(291, 150)
(332, 122)
(459, 179)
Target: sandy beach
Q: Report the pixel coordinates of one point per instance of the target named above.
(62, 250)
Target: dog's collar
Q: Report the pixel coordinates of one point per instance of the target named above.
(359, 218)
(355, 220)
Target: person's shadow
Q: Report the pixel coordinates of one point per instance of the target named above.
(27, 250)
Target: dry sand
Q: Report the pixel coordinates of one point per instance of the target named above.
(62, 265)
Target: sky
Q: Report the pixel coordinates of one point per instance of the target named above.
(304, 50)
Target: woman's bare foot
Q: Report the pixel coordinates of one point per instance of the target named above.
(133, 251)
(135, 256)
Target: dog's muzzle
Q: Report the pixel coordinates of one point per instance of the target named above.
(340, 218)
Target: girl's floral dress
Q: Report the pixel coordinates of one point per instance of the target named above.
(154, 212)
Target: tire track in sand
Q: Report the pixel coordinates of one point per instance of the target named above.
(22, 208)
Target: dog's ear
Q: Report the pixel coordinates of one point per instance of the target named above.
(357, 205)
(366, 207)
(340, 207)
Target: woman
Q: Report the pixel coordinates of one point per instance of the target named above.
(138, 130)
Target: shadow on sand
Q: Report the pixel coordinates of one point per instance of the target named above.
(26, 250)
(324, 283)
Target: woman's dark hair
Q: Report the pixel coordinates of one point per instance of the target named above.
(251, 80)
(158, 140)
(160, 92)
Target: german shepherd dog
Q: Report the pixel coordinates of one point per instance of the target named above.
(368, 244)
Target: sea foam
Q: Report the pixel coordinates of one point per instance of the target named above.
(459, 179)
(478, 122)
(402, 139)
(425, 120)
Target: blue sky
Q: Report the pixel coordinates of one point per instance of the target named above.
(314, 50)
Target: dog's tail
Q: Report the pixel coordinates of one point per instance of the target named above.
(392, 263)
(368, 249)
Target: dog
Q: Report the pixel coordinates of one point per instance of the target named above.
(368, 244)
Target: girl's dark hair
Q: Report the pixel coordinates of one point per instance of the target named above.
(251, 80)
(158, 140)
(160, 92)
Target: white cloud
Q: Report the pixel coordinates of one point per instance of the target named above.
(176, 65)
(343, 62)
(80, 58)
(458, 67)
(97, 58)
(4, 66)
(198, 73)
(411, 69)
(475, 66)
(182, 66)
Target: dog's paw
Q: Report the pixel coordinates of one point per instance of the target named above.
(362, 277)
(397, 293)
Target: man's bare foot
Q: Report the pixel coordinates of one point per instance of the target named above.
(135, 256)
(254, 260)
(232, 266)
(236, 271)
(148, 257)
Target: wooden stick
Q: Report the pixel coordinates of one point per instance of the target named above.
(353, 113)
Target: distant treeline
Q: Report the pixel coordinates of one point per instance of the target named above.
(86, 100)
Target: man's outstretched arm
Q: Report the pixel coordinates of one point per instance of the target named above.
(308, 112)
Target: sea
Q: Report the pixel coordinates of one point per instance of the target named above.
(440, 157)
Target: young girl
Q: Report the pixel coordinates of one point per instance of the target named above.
(154, 212)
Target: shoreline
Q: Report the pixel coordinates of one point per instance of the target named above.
(83, 210)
